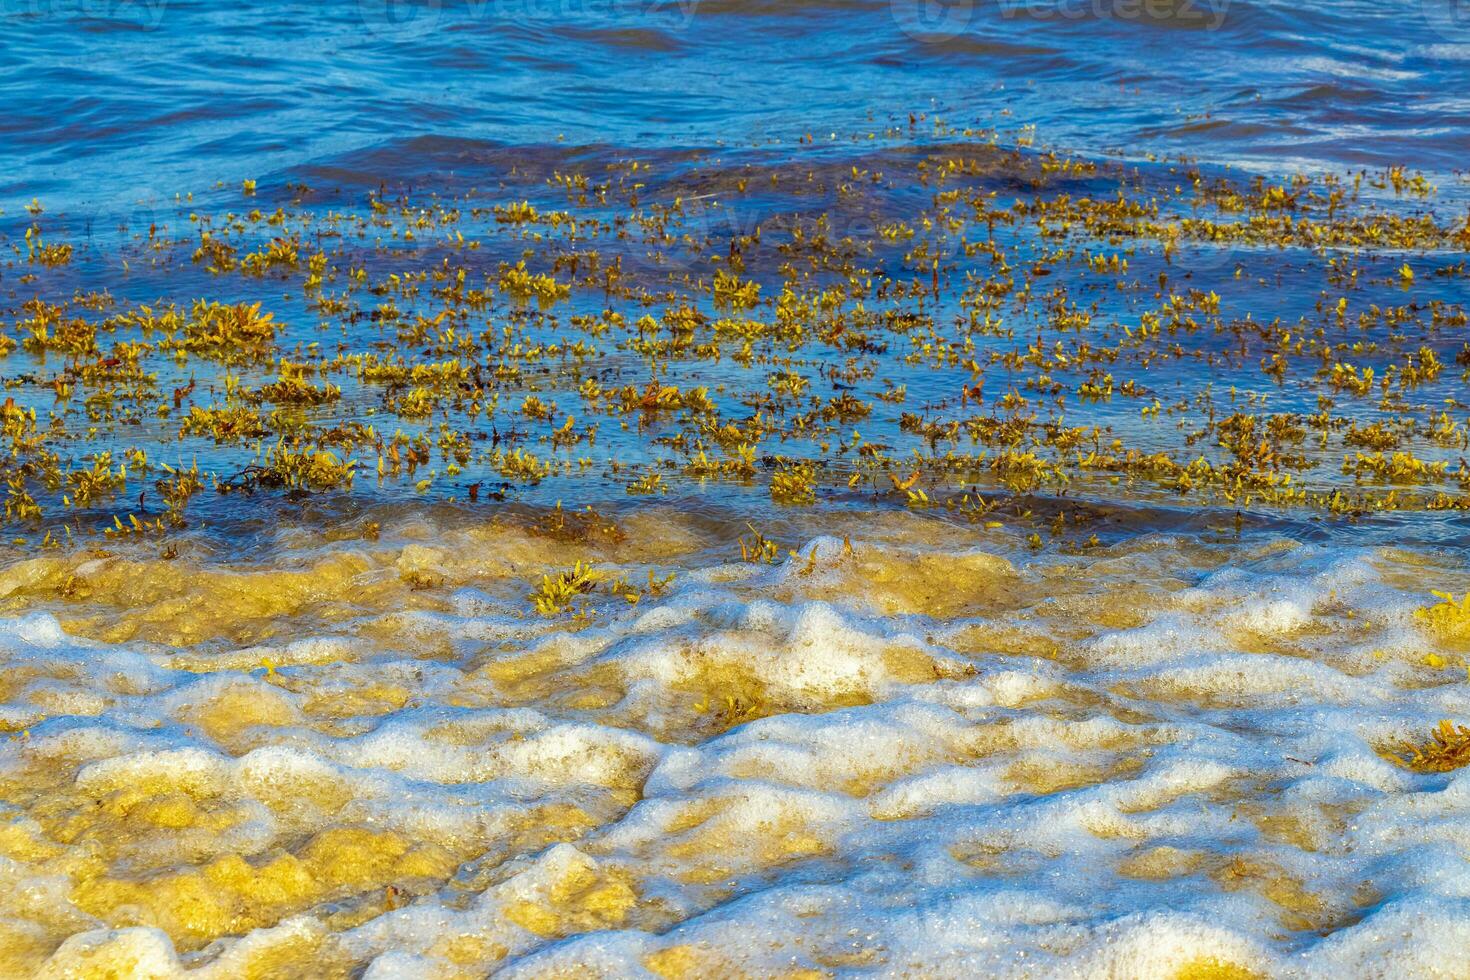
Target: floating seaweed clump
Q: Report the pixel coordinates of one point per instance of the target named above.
(292, 468)
(759, 549)
(794, 484)
(1447, 749)
(557, 593)
(228, 333)
(1450, 618)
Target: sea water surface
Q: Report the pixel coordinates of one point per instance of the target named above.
(109, 101)
(730, 488)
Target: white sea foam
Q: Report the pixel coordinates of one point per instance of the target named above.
(1134, 773)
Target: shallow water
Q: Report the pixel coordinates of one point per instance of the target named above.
(953, 490)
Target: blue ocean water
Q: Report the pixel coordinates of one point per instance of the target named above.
(111, 101)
